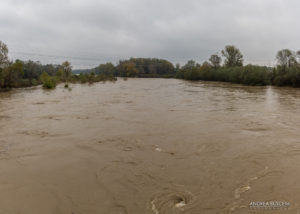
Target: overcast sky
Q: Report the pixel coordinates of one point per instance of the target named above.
(90, 32)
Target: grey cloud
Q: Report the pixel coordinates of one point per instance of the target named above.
(102, 30)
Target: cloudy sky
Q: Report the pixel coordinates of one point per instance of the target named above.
(90, 32)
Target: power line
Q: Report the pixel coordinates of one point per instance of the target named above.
(92, 59)
(55, 56)
(72, 57)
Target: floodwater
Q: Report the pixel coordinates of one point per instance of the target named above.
(149, 146)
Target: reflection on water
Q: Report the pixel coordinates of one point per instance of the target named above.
(149, 146)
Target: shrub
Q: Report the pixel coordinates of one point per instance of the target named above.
(49, 82)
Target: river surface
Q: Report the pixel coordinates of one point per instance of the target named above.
(149, 146)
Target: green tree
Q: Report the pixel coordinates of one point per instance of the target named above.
(32, 70)
(127, 69)
(64, 72)
(48, 81)
(67, 68)
(130, 70)
(3, 55)
(190, 65)
(192, 74)
(233, 56)
(177, 68)
(286, 58)
(11, 75)
(215, 61)
(298, 57)
(106, 69)
(148, 67)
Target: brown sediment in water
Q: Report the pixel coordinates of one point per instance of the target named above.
(148, 146)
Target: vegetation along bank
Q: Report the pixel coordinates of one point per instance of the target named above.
(228, 67)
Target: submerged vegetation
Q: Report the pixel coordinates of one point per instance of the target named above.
(29, 73)
(48, 82)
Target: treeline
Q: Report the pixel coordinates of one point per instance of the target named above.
(140, 67)
(286, 73)
(227, 67)
(29, 73)
(248, 75)
(135, 67)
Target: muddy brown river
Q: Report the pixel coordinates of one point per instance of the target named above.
(149, 146)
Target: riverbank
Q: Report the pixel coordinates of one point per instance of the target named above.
(247, 75)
